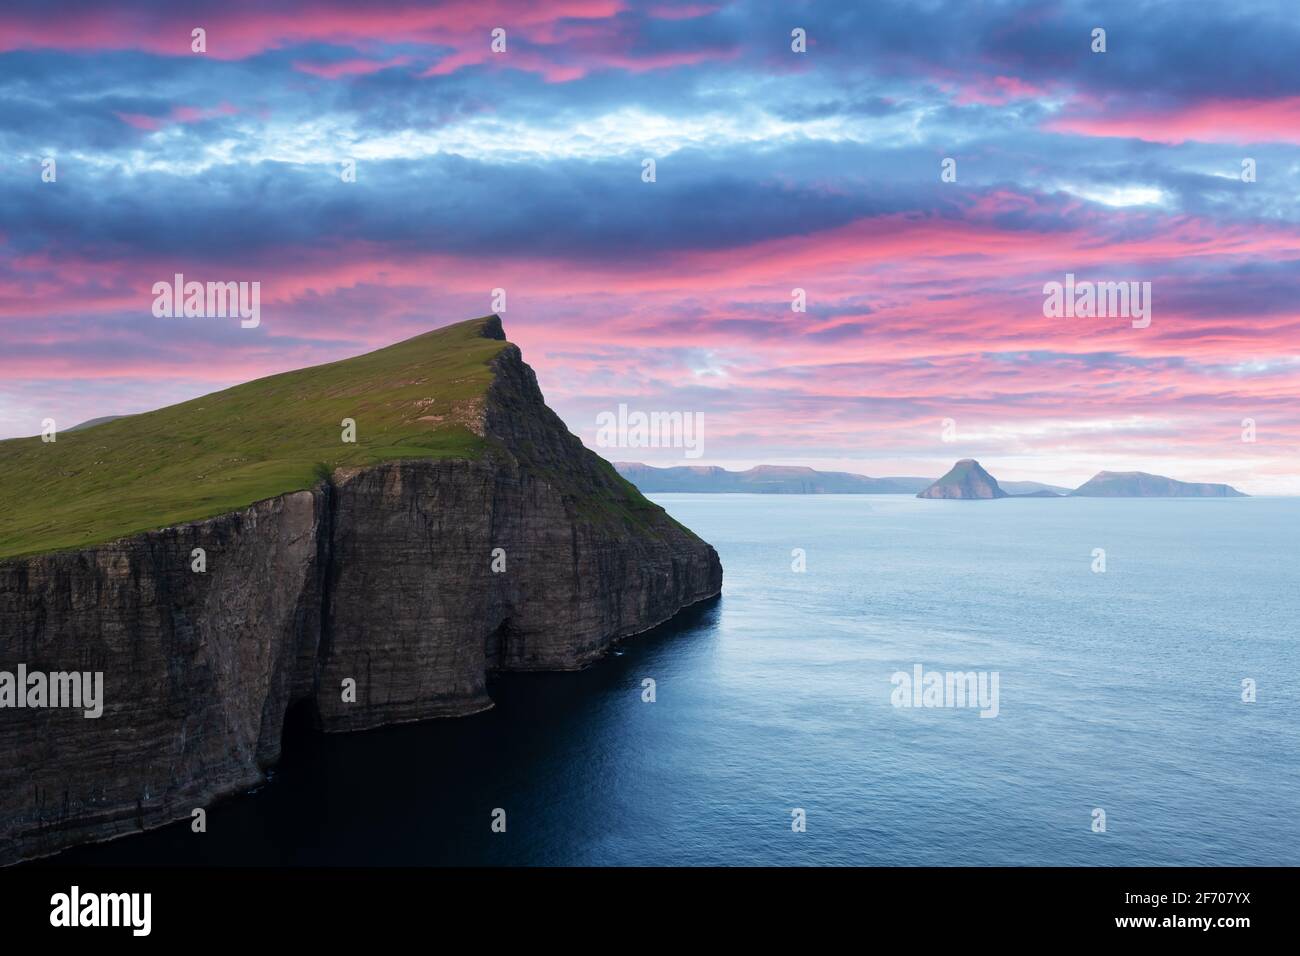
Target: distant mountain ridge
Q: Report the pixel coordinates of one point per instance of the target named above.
(762, 479)
(1138, 484)
(1035, 488)
(967, 479)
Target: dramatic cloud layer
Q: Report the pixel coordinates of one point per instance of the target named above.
(775, 171)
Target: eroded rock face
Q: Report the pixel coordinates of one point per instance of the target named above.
(382, 575)
(198, 671)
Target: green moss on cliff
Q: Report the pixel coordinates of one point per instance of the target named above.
(224, 451)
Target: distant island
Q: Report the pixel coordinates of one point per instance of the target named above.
(1138, 484)
(763, 479)
(1032, 489)
(968, 480)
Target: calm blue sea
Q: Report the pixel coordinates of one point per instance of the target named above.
(1119, 691)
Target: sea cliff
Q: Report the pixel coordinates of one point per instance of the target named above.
(411, 579)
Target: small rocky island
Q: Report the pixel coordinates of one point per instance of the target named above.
(968, 480)
(965, 480)
(1138, 484)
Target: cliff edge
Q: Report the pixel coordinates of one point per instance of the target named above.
(472, 533)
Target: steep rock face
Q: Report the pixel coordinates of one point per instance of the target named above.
(382, 575)
(966, 479)
(198, 671)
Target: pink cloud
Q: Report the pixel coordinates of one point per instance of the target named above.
(353, 67)
(139, 121)
(195, 114)
(177, 114)
(911, 319)
(997, 90)
(560, 33)
(238, 30)
(1212, 121)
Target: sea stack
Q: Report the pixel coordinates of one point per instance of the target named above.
(966, 479)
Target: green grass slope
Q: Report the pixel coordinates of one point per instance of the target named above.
(229, 449)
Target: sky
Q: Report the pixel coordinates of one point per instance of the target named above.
(1171, 158)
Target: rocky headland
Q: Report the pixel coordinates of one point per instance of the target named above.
(478, 535)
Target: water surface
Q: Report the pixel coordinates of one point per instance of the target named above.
(1118, 690)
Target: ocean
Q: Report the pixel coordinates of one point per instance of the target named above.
(777, 734)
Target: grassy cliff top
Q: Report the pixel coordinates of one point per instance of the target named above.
(416, 399)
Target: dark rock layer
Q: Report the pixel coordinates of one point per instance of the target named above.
(381, 575)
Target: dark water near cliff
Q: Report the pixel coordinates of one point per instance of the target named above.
(1119, 691)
